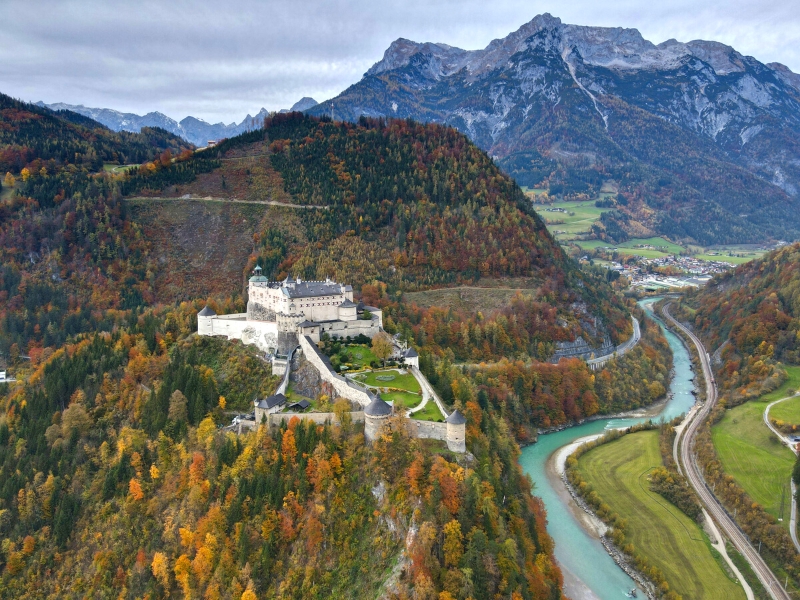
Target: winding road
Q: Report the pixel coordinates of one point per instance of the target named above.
(793, 447)
(692, 471)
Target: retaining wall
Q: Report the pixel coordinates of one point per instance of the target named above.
(342, 387)
(426, 429)
(275, 419)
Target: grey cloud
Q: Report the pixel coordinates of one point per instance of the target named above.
(220, 60)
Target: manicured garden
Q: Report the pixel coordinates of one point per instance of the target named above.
(431, 412)
(389, 378)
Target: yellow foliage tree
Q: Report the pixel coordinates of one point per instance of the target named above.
(135, 489)
(160, 569)
(453, 548)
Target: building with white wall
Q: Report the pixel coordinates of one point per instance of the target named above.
(277, 311)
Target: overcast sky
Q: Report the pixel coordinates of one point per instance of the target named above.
(220, 60)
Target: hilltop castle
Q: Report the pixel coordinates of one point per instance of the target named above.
(280, 311)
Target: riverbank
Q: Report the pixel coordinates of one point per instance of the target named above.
(589, 571)
(592, 523)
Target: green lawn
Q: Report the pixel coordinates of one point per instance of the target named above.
(788, 411)
(402, 399)
(360, 357)
(791, 383)
(116, 169)
(754, 457)
(629, 247)
(401, 382)
(431, 412)
(577, 220)
(667, 537)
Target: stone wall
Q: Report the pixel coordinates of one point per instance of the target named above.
(341, 386)
(426, 429)
(275, 419)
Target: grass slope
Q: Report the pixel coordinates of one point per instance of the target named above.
(670, 540)
(754, 457)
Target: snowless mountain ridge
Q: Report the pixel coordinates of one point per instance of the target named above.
(611, 47)
(197, 131)
(704, 140)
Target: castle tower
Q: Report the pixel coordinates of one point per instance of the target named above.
(204, 321)
(375, 415)
(456, 431)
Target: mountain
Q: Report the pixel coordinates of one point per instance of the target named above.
(194, 130)
(301, 105)
(32, 138)
(701, 141)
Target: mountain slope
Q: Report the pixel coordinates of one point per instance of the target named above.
(701, 140)
(751, 317)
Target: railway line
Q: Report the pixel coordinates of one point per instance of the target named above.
(689, 467)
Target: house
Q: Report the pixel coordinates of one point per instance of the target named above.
(269, 405)
(411, 358)
(299, 406)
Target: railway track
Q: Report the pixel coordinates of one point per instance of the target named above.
(692, 471)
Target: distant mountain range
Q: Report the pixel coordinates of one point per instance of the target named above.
(193, 130)
(702, 142)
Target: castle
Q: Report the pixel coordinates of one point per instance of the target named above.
(280, 311)
(288, 317)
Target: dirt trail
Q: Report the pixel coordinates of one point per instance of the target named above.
(234, 201)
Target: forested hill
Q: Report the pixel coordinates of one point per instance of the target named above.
(33, 137)
(414, 206)
(700, 140)
(755, 311)
(115, 479)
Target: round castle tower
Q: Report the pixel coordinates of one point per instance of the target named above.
(456, 431)
(204, 324)
(375, 415)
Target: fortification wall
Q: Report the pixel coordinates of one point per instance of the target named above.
(341, 386)
(320, 418)
(426, 429)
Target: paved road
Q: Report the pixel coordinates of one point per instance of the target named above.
(622, 348)
(793, 448)
(695, 477)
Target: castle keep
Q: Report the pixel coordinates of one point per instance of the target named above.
(279, 311)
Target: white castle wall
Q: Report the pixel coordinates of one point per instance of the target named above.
(341, 386)
(264, 334)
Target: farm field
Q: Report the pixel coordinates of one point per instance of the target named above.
(578, 218)
(791, 383)
(788, 411)
(755, 458)
(668, 538)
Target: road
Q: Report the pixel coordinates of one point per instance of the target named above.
(621, 349)
(695, 478)
(234, 201)
(793, 447)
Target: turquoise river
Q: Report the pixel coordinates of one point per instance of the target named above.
(589, 572)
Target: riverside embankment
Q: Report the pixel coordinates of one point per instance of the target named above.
(589, 571)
